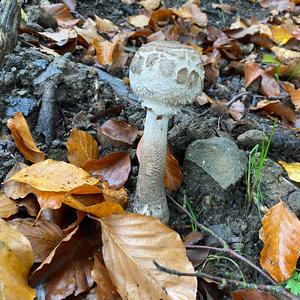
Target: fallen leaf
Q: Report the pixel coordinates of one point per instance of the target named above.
(105, 289)
(150, 4)
(54, 176)
(280, 5)
(16, 260)
(113, 168)
(139, 20)
(23, 138)
(31, 205)
(81, 147)
(237, 110)
(119, 196)
(14, 189)
(252, 71)
(247, 294)
(105, 25)
(88, 32)
(173, 177)
(285, 55)
(130, 244)
(103, 209)
(269, 86)
(120, 131)
(198, 17)
(280, 35)
(226, 8)
(8, 207)
(294, 94)
(280, 234)
(276, 108)
(67, 269)
(292, 169)
(43, 235)
(62, 14)
(104, 51)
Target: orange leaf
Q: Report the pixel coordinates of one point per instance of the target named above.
(99, 210)
(252, 71)
(81, 147)
(247, 294)
(120, 196)
(104, 51)
(173, 177)
(113, 168)
(105, 25)
(43, 235)
(277, 109)
(280, 234)
(8, 207)
(130, 244)
(23, 138)
(269, 86)
(120, 131)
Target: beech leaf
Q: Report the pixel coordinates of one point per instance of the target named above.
(280, 234)
(292, 169)
(130, 244)
(8, 207)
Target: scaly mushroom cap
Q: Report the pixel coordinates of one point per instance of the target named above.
(166, 75)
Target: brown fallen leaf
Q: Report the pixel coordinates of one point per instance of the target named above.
(105, 289)
(70, 3)
(119, 196)
(285, 55)
(252, 71)
(226, 8)
(280, 234)
(294, 94)
(68, 263)
(280, 5)
(173, 177)
(16, 260)
(292, 169)
(135, 276)
(105, 25)
(139, 20)
(14, 189)
(120, 131)
(247, 294)
(88, 32)
(113, 168)
(31, 205)
(23, 138)
(81, 147)
(269, 86)
(62, 14)
(276, 108)
(43, 235)
(8, 207)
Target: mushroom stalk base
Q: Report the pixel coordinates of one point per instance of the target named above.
(150, 198)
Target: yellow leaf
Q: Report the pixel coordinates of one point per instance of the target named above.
(130, 244)
(280, 35)
(292, 169)
(118, 196)
(54, 176)
(99, 210)
(8, 207)
(81, 147)
(23, 138)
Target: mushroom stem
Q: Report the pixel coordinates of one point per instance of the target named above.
(150, 198)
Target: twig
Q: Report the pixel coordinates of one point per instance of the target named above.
(225, 282)
(236, 97)
(226, 247)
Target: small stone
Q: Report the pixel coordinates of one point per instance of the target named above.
(250, 138)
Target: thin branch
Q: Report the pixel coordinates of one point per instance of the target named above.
(225, 282)
(236, 97)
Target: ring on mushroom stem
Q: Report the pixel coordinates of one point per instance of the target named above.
(165, 75)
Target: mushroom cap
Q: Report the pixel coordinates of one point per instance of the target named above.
(166, 75)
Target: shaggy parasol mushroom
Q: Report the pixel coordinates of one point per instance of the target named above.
(165, 75)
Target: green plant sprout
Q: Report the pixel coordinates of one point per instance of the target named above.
(255, 166)
(293, 283)
(187, 204)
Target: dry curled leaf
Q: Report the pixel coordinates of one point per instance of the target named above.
(139, 20)
(247, 294)
(43, 235)
(150, 4)
(294, 94)
(113, 168)
(130, 244)
(292, 169)
(119, 196)
(252, 71)
(269, 86)
(105, 25)
(81, 147)
(173, 177)
(23, 138)
(285, 55)
(8, 207)
(280, 234)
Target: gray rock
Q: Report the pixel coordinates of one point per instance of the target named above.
(220, 158)
(19, 104)
(294, 202)
(250, 138)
